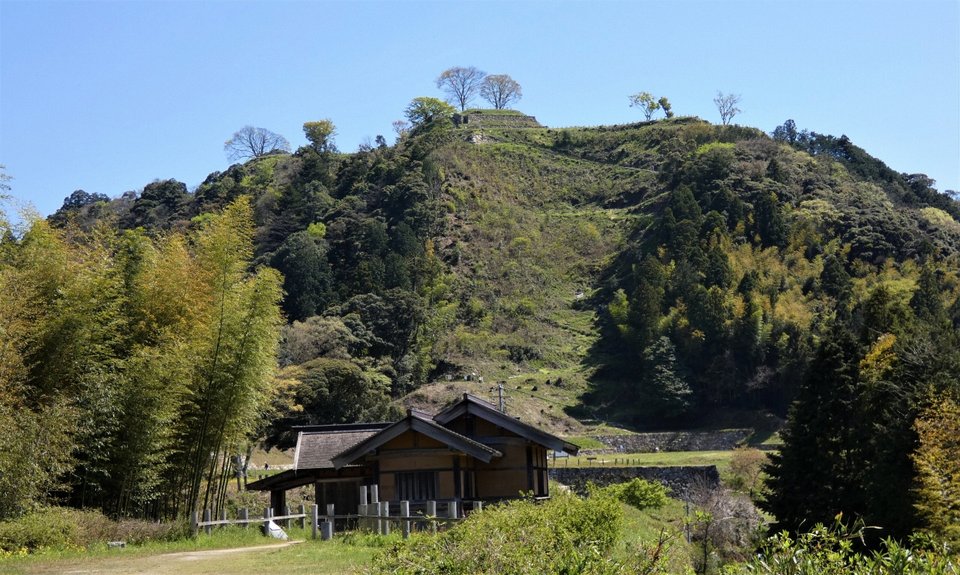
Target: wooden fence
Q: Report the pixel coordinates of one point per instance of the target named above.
(373, 515)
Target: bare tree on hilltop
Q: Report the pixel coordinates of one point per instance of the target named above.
(500, 90)
(727, 106)
(250, 142)
(460, 84)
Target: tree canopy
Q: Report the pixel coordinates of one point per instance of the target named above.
(249, 142)
(500, 90)
(461, 84)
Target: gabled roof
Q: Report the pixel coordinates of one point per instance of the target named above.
(484, 410)
(317, 444)
(421, 423)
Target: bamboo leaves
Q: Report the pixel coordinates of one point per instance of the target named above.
(142, 364)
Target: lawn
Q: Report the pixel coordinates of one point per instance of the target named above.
(661, 459)
(225, 552)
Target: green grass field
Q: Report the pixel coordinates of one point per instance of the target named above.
(662, 459)
(233, 550)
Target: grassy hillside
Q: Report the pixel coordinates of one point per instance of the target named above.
(652, 273)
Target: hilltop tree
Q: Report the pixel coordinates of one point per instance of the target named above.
(727, 106)
(4, 178)
(249, 142)
(786, 133)
(646, 102)
(422, 111)
(665, 106)
(320, 135)
(500, 90)
(460, 84)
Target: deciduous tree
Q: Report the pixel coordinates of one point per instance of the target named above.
(500, 90)
(937, 462)
(320, 134)
(646, 102)
(249, 142)
(727, 106)
(424, 110)
(460, 84)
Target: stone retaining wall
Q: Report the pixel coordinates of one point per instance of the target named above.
(675, 441)
(678, 479)
(496, 121)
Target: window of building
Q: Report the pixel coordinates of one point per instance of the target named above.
(417, 485)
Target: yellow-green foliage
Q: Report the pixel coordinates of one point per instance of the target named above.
(938, 217)
(638, 493)
(563, 535)
(937, 461)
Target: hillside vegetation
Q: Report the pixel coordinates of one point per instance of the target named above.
(654, 274)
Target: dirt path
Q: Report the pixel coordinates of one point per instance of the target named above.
(211, 561)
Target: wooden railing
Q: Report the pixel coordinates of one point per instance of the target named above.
(373, 514)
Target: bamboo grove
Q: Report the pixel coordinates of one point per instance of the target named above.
(132, 368)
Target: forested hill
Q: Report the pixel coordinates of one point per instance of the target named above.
(658, 275)
(666, 268)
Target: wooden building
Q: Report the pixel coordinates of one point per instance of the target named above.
(469, 451)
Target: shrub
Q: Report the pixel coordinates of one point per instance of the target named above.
(563, 535)
(835, 551)
(61, 527)
(638, 493)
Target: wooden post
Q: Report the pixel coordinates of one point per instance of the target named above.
(385, 512)
(314, 518)
(375, 512)
(363, 495)
(432, 512)
(244, 516)
(330, 511)
(206, 517)
(374, 493)
(405, 514)
(478, 505)
(286, 511)
(195, 523)
(303, 519)
(223, 517)
(452, 510)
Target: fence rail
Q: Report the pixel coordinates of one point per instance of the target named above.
(373, 514)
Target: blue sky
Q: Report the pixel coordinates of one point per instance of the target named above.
(109, 96)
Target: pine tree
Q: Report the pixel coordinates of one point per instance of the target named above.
(816, 474)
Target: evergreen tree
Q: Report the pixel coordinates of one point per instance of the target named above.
(926, 301)
(665, 392)
(817, 475)
(302, 259)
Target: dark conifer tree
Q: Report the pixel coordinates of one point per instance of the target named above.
(817, 474)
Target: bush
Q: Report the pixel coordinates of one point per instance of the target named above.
(64, 528)
(563, 535)
(834, 551)
(638, 493)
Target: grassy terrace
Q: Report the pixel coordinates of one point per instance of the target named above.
(664, 459)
